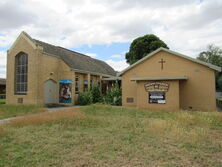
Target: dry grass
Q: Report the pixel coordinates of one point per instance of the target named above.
(47, 117)
(8, 111)
(109, 136)
(1, 131)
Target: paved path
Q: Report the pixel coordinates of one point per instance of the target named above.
(53, 109)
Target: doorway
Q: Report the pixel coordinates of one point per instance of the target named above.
(50, 92)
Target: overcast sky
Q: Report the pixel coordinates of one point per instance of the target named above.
(104, 29)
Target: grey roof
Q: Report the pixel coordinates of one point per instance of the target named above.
(112, 79)
(77, 61)
(2, 81)
(160, 78)
(216, 68)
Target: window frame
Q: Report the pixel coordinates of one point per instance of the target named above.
(77, 85)
(21, 74)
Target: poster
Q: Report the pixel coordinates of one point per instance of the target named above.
(65, 91)
(157, 98)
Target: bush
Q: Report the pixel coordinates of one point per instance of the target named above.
(95, 91)
(85, 98)
(114, 96)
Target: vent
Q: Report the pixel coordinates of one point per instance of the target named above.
(20, 100)
(129, 100)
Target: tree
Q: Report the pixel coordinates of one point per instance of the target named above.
(213, 55)
(142, 46)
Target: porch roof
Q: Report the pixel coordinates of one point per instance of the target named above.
(160, 78)
(112, 79)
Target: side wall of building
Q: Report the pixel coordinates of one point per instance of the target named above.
(197, 93)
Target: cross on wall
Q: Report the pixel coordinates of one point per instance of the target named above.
(162, 61)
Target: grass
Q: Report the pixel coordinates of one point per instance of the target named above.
(7, 111)
(110, 136)
(2, 101)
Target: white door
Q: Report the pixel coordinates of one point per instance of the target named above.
(50, 92)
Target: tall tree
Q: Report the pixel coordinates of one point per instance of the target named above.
(142, 46)
(213, 55)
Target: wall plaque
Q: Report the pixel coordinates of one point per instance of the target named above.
(156, 87)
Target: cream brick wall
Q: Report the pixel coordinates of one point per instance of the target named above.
(41, 67)
(197, 92)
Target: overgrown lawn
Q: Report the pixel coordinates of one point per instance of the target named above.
(7, 111)
(112, 136)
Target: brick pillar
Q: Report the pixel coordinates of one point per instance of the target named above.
(88, 77)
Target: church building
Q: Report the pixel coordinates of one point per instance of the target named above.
(170, 81)
(43, 74)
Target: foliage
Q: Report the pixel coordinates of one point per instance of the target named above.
(114, 96)
(95, 91)
(213, 55)
(219, 81)
(85, 98)
(142, 46)
(2, 101)
(114, 136)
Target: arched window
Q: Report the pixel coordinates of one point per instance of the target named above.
(21, 73)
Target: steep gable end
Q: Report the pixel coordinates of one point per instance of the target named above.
(211, 66)
(25, 36)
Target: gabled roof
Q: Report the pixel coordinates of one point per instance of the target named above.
(216, 68)
(77, 61)
(2, 81)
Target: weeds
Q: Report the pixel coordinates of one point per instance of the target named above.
(7, 111)
(44, 118)
(100, 135)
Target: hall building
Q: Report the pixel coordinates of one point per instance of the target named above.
(43, 74)
(168, 80)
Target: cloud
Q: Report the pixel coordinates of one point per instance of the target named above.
(117, 65)
(93, 55)
(186, 26)
(116, 56)
(2, 64)
(13, 15)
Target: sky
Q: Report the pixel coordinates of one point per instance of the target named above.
(104, 29)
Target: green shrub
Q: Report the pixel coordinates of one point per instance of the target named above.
(114, 96)
(85, 98)
(95, 91)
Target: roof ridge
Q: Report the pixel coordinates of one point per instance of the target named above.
(209, 65)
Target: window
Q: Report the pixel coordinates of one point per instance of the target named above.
(85, 86)
(77, 84)
(21, 73)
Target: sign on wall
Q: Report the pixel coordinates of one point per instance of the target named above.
(156, 87)
(65, 91)
(157, 97)
(157, 92)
